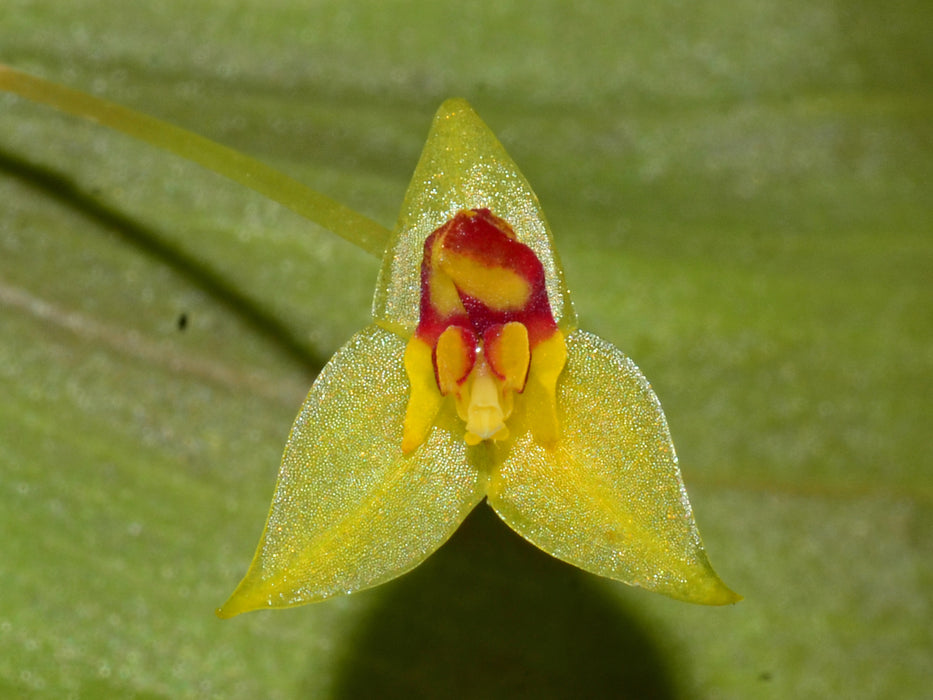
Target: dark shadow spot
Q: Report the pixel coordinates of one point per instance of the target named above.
(182, 321)
(148, 242)
(452, 628)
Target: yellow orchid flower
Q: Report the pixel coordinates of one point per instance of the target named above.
(474, 382)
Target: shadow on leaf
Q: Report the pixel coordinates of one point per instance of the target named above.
(454, 628)
(148, 242)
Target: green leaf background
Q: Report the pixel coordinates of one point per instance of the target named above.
(741, 195)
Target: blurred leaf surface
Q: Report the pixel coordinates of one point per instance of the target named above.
(740, 194)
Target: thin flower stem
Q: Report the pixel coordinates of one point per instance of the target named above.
(319, 208)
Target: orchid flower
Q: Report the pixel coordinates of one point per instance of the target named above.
(473, 382)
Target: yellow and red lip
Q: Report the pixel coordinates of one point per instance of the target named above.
(484, 313)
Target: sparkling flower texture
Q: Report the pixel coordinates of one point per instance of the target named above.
(473, 382)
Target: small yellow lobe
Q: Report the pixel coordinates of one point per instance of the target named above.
(499, 288)
(424, 401)
(509, 354)
(445, 299)
(454, 357)
(485, 406)
(547, 363)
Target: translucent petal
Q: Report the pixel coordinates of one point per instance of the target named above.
(607, 496)
(462, 166)
(350, 510)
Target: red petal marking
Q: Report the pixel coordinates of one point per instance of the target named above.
(489, 240)
(432, 320)
(483, 238)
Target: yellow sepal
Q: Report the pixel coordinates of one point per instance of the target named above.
(350, 509)
(462, 166)
(607, 496)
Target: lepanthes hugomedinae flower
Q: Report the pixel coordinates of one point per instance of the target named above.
(473, 382)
